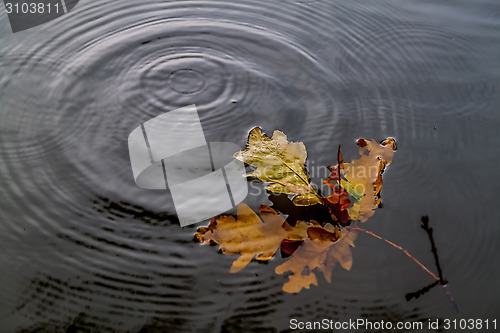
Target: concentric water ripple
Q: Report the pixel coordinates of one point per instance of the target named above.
(39, 133)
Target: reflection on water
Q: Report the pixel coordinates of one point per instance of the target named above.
(122, 210)
(85, 249)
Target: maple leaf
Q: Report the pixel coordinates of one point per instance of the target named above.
(322, 250)
(250, 236)
(362, 177)
(280, 162)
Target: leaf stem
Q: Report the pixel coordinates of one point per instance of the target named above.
(399, 248)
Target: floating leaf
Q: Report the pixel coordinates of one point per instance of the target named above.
(339, 200)
(322, 251)
(280, 162)
(250, 236)
(362, 178)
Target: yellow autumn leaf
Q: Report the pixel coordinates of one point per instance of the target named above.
(363, 176)
(317, 252)
(250, 236)
(280, 162)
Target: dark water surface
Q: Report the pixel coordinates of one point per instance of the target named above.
(82, 247)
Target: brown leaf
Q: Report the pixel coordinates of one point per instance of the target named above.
(317, 253)
(338, 201)
(249, 236)
(362, 178)
(322, 235)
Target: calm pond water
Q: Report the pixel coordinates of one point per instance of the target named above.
(83, 249)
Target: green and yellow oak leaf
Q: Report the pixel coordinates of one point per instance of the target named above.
(280, 162)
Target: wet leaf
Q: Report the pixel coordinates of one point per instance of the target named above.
(250, 236)
(280, 162)
(362, 177)
(339, 200)
(319, 251)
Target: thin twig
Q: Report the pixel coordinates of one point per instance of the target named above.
(429, 230)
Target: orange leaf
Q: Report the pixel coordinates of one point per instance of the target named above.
(362, 177)
(317, 253)
(250, 236)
